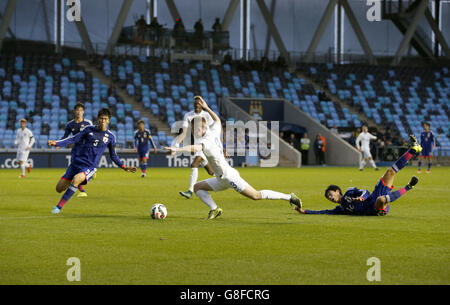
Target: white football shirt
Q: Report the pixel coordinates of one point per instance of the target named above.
(24, 138)
(363, 140)
(213, 149)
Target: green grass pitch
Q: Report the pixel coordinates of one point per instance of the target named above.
(254, 242)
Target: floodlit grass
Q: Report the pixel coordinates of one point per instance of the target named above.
(254, 242)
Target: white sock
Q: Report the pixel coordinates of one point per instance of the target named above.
(22, 168)
(362, 164)
(268, 194)
(193, 179)
(371, 162)
(207, 199)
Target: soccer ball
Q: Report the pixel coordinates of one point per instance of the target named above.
(158, 211)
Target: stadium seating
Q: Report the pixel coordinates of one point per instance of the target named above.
(167, 89)
(45, 88)
(401, 97)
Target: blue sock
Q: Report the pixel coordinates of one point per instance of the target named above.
(397, 194)
(403, 160)
(429, 166)
(419, 165)
(67, 195)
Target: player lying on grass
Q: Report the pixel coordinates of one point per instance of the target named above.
(362, 202)
(91, 142)
(210, 144)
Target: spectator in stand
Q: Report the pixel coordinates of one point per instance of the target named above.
(141, 26)
(198, 31)
(358, 131)
(281, 62)
(352, 139)
(282, 135)
(389, 151)
(293, 141)
(404, 147)
(227, 59)
(217, 27)
(334, 129)
(179, 32)
(304, 148)
(379, 149)
(264, 65)
(155, 28)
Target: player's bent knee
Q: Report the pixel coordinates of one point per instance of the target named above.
(197, 187)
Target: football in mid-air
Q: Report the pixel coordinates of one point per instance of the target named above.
(158, 211)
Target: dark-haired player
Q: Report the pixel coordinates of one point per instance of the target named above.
(428, 143)
(141, 145)
(72, 128)
(362, 202)
(91, 143)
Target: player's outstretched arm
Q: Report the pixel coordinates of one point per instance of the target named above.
(335, 211)
(70, 140)
(115, 158)
(205, 107)
(189, 148)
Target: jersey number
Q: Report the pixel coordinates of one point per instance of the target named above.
(96, 142)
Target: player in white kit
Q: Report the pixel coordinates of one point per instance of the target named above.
(24, 141)
(363, 145)
(199, 157)
(210, 144)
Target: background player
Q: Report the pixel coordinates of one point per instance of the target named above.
(24, 141)
(72, 128)
(141, 141)
(199, 157)
(362, 202)
(209, 141)
(363, 145)
(428, 143)
(92, 140)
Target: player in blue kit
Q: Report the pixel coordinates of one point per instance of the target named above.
(72, 128)
(362, 202)
(91, 142)
(428, 143)
(142, 137)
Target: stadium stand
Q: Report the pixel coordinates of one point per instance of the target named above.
(402, 97)
(45, 88)
(168, 88)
